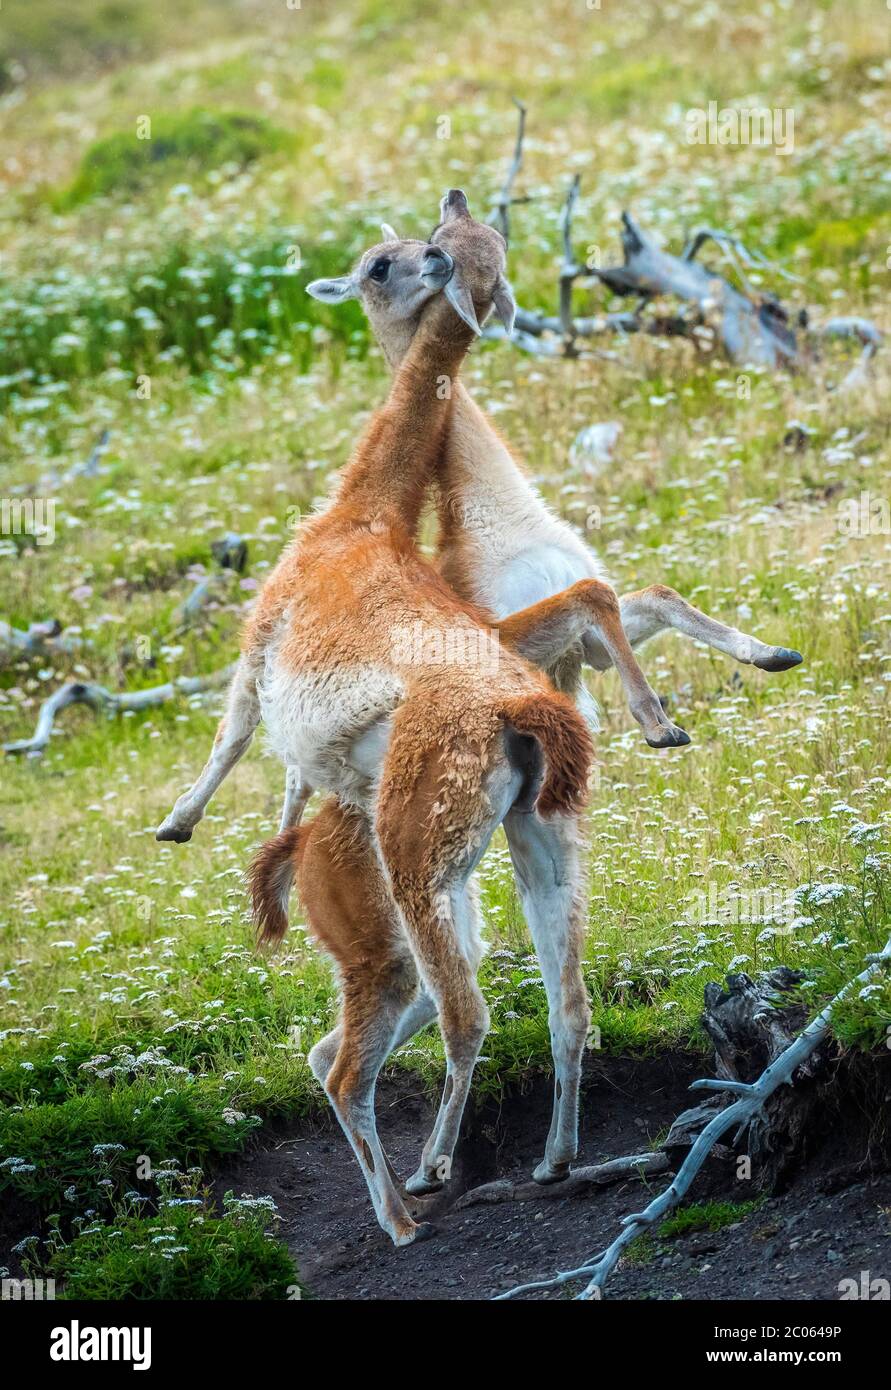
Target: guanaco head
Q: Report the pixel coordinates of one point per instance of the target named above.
(396, 278)
(479, 253)
(393, 281)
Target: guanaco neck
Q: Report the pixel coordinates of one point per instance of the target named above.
(393, 465)
(479, 483)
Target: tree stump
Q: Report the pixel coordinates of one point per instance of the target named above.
(750, 1023)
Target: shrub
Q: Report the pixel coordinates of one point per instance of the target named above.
(185, 1252)
(205, 307)
(91, 1144)
(185, 143)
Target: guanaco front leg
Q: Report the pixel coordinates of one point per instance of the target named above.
(297, 793)
(233, 737)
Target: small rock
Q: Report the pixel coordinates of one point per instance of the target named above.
(593, 447)
(797, 435)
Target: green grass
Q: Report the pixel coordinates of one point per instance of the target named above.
(43, 40)
(46, 38)
(705, 1216)
(697, 1216)
(170, 310)
(200, 307)
(185, 1252)
(166, 147)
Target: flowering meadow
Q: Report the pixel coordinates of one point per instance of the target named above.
(164, 379)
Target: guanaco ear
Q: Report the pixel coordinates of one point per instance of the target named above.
(504, 304)
(453, 204)
(334, 291)
(389, 233)
(462, 302)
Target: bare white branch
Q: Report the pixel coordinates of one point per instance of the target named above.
(500, 216)
(106, 702)
(750, 1103)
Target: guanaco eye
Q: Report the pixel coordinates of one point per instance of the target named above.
(380, 269)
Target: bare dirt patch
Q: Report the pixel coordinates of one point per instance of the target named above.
(833, 1222)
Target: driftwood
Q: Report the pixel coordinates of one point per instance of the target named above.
(569, 269)
(105, 702)
(750, 329)
(870, 340)
(500, 215)
(46, 638)
(230, 553)
(579, 1179)
(41, 639)
(751, 1024)
(92, 467)
(750, 1102)
(748, 1022)
(749, 325)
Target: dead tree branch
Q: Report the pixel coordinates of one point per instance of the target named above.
(92, 467)
(40, 639)
(751, 330)
(500, 216)
(105, 702)
(569, 270)
(751, 326)
(230, 553)
(752, 1098)
(597, 1174)
(735, 251)
(869, 338)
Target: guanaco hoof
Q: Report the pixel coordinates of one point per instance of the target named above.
(673, 737)
(419, 1185)
(179, 837)
(547, 1173)
(780, 659)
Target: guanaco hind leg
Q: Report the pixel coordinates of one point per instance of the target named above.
(351, 913)
(658, 608)
(546, 861)
(590, 610)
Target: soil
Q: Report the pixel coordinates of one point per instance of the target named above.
(833, 1222)
(18, 1219)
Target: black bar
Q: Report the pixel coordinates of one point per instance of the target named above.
(267, 1339)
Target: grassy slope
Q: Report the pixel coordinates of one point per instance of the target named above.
(117, 948)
